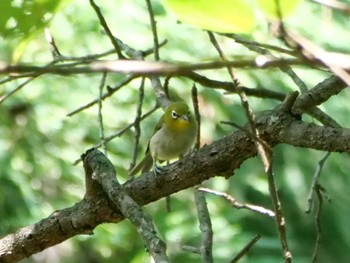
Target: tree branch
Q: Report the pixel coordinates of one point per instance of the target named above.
(61, 225)
(147, 68)
(106, 28)
(218, 159)
(206, 247)
(101, 170)
(229, 87)
(319, 94)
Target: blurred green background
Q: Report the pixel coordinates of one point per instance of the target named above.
(39, 143)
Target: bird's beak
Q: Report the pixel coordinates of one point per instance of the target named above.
(184, 117)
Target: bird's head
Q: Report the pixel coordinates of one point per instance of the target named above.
(178, 117)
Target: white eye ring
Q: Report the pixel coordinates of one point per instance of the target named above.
(174, 115)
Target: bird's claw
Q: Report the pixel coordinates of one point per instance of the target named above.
(157, 170)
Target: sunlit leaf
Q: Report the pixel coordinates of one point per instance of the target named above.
(225, 16)
(23, 19)
(272, 8)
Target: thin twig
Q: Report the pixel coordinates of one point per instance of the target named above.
(137, 124)
(197, 115)
(19, 87)
(249, 133)
(138, 57)
(56, 54)
(58, 57)
(136, 54)
(338, 63)
(244, 102)
(205, 226)
(120, 132)
(191, 249)
(279, 218)
(88, 58)
(265, 155)
(126, 128)
(238, 205)
(261, 49)
(296, 79)
(161, 93)
(246, 249)
(231, 89)
(154, 30)
(315, 182)
(106, 28)
(318, 191)
(206, 247)
(166, 86)
(106, 95)
(100, 118)
(323, 117)
(18, 76)
(258, 47)
(130, 52)
(333, 84)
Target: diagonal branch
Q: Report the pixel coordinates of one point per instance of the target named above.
(319, 94)
(218, 159)
(230, 87)
(101, 170)
(106, 28)
(206, 247)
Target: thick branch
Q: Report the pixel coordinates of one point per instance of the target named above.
(220, 158)
(99, 168)
(230, 87)
(319, 94)
(61, 225)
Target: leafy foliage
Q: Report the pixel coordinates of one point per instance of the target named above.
(274, 9)
(22, 20)
(229, 16)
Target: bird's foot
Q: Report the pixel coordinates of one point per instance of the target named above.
(157, 170)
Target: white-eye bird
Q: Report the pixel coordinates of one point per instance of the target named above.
(173, 137)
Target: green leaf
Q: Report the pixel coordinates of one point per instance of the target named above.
(224, 16)
(270, 7)
(24, 19)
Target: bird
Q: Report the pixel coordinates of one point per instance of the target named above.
(172, 138)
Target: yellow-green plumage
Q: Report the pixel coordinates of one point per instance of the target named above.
(173, 137)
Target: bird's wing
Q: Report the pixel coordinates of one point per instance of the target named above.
(157, 128)
(146, 163)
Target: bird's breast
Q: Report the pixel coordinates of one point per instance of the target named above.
(167, 145)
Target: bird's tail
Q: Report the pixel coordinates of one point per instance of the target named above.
(144, 166)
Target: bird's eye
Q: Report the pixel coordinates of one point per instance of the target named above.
(174, 115)
(188, 114)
